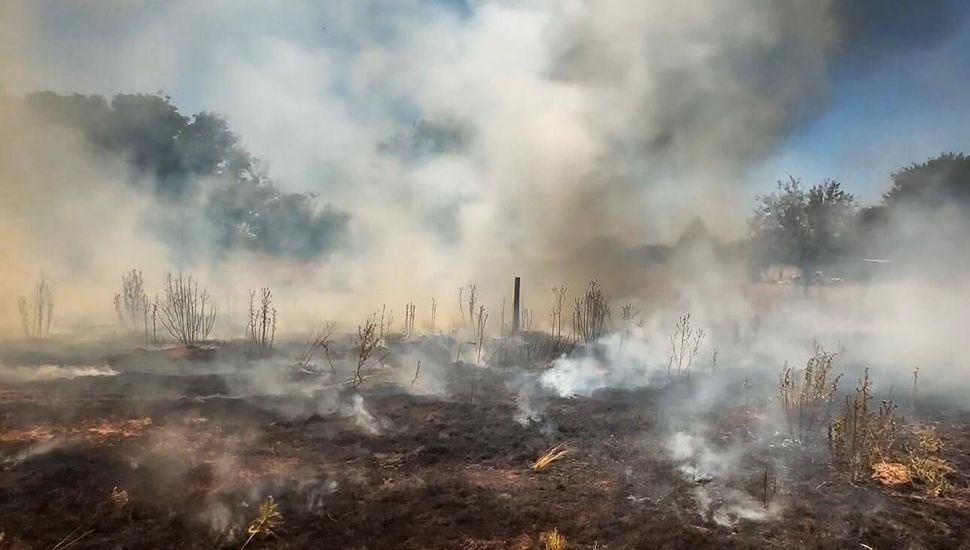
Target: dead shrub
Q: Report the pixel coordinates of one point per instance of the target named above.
(37, 313)
(927, 468)
(317, 340)
(685, 342)
(131, 304)
(560, 343)
(186, 312)
(480, 324)
(807, 395)
(367, 341)
(590, 314)
(261, 327)
(861, 436)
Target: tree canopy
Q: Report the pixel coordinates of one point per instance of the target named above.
(196, 161)
(938, 181)
(802, 227)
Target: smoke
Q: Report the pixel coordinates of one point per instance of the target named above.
(466, 141)
(52, 372)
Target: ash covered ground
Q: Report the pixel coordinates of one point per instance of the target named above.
(103, 446)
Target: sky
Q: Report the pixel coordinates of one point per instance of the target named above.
(881, 118)
(587, 129)
(876, 116)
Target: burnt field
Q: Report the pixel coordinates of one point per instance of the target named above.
(181, 448)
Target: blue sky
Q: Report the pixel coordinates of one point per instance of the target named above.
(880, 118)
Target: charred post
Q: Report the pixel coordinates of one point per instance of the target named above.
(515, 307)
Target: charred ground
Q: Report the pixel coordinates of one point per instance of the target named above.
(195, 456)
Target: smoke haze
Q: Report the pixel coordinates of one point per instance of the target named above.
(455, 143)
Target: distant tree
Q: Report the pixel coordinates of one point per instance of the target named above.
(196, 163)
(805, 228)
(938, 181)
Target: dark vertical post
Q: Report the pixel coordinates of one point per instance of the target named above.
(515, 307)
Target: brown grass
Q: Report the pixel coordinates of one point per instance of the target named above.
(548, 457)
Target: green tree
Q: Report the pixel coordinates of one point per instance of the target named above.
(805, 228)
(931, 184)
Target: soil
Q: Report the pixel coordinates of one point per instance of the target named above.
(148, 460)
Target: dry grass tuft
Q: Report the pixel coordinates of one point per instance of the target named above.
(550, 456)
(927, 467)
(119, 497)
(552, 540)
(267, 521)
(861, 436)
(807, 395)
(891, 473)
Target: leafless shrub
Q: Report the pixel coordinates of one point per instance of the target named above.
(318, 339)
(630, 317)
(154, 315)
(186, 312)
(480, 331)
(261, 327)
(472, 301)
(860, 436)
(685, 341)
(131, 304)
(367, 341)
(807, 395)
(409, 320)
(37, 312)
(590, 314)
(560, 342)
(384, 327)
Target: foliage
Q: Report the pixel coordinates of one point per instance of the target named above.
(801, 227)
(938, 181)
(196, 163)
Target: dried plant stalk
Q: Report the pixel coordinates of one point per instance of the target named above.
(187, 312)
